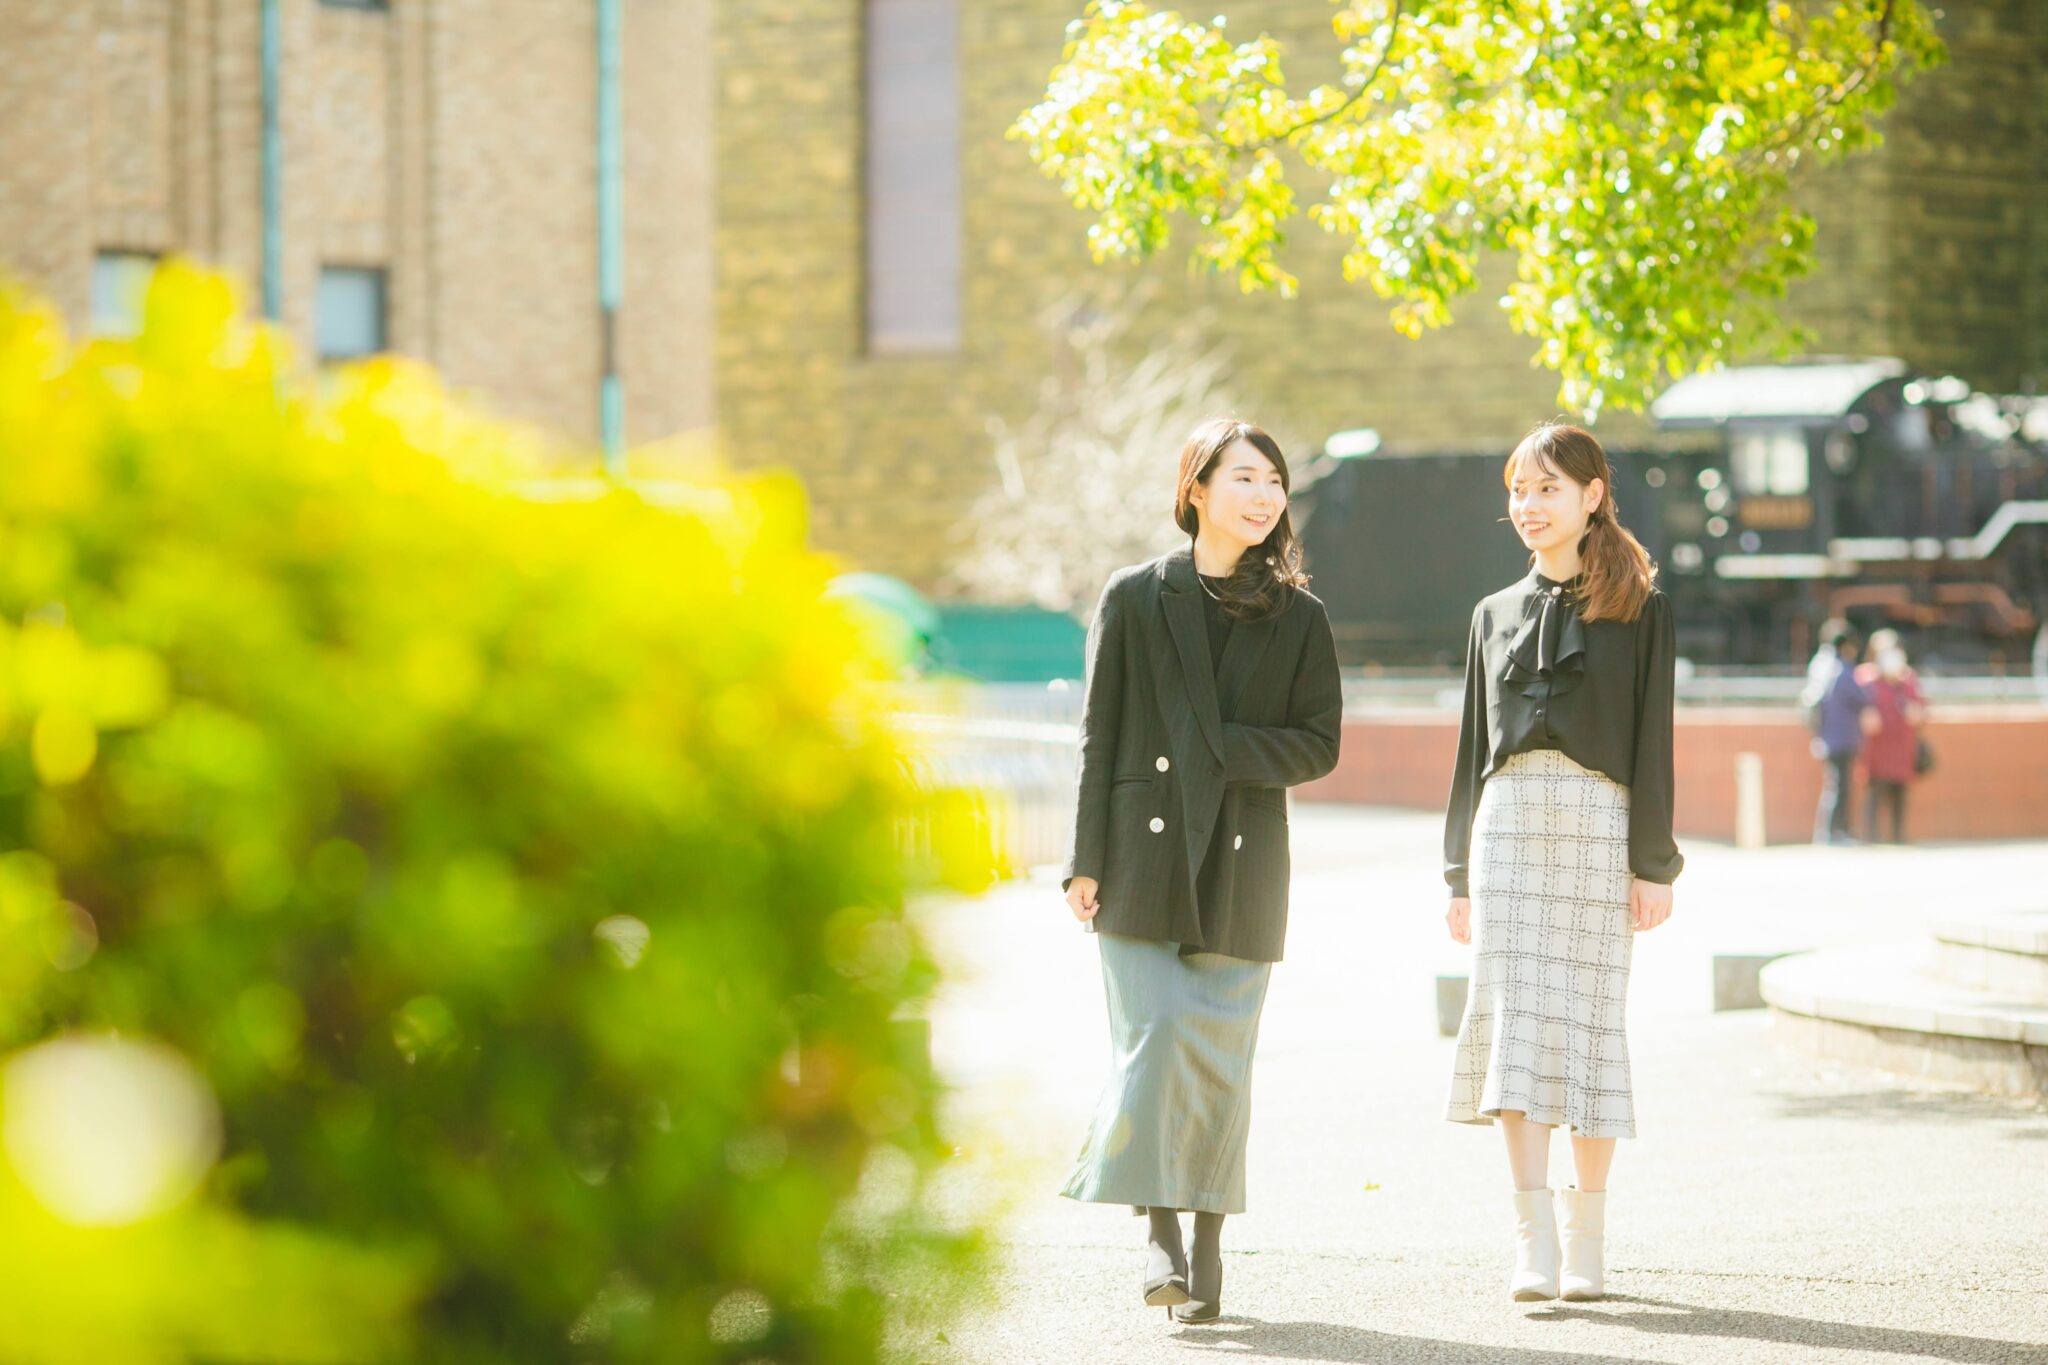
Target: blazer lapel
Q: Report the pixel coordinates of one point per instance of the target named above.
(1180, 595)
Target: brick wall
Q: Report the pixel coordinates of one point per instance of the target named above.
(450, 142)
(514, 230)
(1990, 779)
(895, 447)
(46, 148)
(787, 244)
(665, 323)
(1962, 183)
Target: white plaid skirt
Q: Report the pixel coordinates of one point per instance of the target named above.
(1545, 1027)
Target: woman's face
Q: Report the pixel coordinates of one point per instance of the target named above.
(1243, 497)
(1547, 508)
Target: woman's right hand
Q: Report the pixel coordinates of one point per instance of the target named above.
(1081, 898)
(1459, 918)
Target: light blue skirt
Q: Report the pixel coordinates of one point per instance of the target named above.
(1170, 1129)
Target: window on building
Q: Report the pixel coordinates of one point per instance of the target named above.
(348, 314)
(120, 279)
(1770, 461)
(913, 175)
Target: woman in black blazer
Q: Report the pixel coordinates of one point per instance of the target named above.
(1212, 687)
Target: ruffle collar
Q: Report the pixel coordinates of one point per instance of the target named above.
(1547, 655)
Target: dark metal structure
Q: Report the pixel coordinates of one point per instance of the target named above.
(1787, 494)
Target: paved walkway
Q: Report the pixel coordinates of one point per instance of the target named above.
(1775, 1208)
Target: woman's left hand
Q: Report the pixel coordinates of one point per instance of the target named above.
(1649, 903)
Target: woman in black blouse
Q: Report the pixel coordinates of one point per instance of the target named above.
(1212, 688)
(1558, 844)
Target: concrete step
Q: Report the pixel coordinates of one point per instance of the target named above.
(1886, 1006)
(2005, 955)
(2010, 931)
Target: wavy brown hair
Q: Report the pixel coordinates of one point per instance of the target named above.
(1267, 573)
(1618, 573)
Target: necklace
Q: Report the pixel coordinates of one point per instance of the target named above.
(1203, 579)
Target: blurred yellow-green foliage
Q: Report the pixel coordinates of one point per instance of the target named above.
(509, 890)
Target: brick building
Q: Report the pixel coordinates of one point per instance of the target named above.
(435, 189)
(830, 249)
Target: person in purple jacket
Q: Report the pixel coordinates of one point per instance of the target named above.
(1838, 702)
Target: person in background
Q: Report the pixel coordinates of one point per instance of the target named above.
(1891, 748)
(1837, 702)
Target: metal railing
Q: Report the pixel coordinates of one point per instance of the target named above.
(1015, 745)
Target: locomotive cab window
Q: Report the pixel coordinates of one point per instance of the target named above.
(1770, 461)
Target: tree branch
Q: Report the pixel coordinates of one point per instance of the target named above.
(1379, 64)
(1836, 97)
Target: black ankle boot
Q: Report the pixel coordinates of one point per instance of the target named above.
(1166, 1264)
(1205, 1272)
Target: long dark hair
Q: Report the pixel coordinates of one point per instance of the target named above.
(1267, 573)
(1618, 570)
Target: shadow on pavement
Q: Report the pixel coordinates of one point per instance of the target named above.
(1737, 1324)
(1231, 1336)
(1915, 1104)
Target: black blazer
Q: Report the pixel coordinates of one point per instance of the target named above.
(1163, 772)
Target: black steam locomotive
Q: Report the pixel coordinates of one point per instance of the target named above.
(1774, 497)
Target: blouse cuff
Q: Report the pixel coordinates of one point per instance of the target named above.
(1663, 871)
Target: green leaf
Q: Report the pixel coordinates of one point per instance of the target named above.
(1637, 160)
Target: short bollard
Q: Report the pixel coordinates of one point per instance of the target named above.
(1450, 1005)
(1749, 801)
(1735, 980)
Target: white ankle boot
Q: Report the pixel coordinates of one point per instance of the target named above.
(1585, 1234)
(1535, 1247)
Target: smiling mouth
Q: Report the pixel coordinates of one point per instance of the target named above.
(1259, 518)
(1531, 528)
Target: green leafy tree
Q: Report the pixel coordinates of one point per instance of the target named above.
(508, 892)
(1635, 158)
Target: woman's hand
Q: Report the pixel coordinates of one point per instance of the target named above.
(1459, 917)
(1081, 898)
(1649, 903)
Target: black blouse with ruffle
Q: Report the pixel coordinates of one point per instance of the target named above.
(1539, 677)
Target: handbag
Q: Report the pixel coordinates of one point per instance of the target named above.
(1923, 757)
